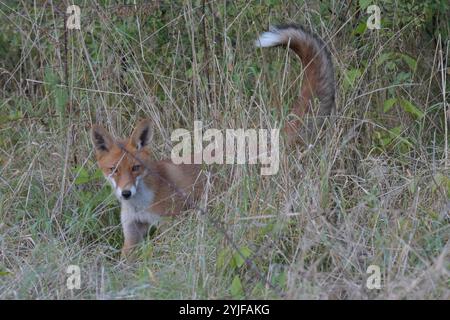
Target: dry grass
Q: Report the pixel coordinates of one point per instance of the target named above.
(364, 194)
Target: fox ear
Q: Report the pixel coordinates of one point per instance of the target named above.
(142, 134)
(101, 138)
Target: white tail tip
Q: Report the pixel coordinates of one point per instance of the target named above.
(268, 39)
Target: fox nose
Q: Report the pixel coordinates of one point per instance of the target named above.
(126, 194)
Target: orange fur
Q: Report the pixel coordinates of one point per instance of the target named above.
(157, 188)
(318, 80)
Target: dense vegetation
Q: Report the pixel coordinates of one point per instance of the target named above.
(374, 189)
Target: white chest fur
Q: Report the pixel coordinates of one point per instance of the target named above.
(137, 207)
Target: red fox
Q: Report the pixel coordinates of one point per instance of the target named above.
(146, 189)
(150, 189)
(318, 80)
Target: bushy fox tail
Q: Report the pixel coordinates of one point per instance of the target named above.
(318, 80)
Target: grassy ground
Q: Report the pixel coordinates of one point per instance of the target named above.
(373, 190)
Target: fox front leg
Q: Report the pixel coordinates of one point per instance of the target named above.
(134, 233)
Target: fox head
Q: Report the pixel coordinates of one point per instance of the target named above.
(122, 161)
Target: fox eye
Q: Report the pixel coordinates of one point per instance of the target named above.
(136, 168)
(112, 170)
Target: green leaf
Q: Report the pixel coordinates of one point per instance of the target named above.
(383, 58)
(395, 131)
(395, 134)
(351, 76)
(402, 77)
(411, 62)
(223, 258)
(238, 260)
(360, 29)
(82, 175)
(386, 138)
(237, 291)
(411, 109)
(388, 104)
(364, 4)
(98, 174)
